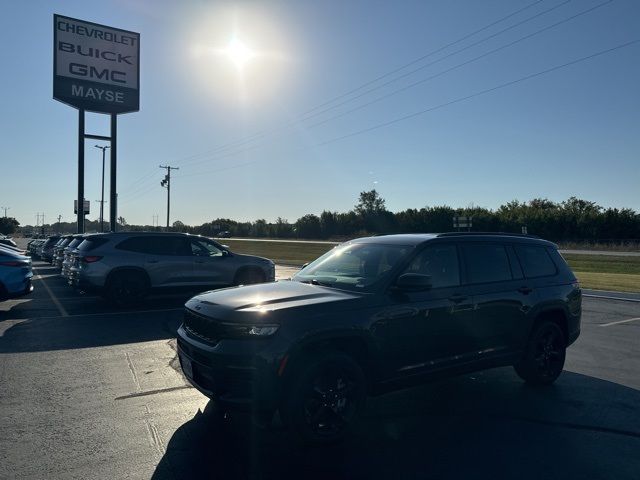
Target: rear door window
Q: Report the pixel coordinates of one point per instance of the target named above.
(486, 263)
(169, 245)
(535, 261)
(136, 244)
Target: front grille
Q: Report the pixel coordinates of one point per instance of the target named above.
(205, 328)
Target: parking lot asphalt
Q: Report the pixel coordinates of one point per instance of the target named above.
(91, 392)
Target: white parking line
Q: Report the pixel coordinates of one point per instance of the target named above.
(58, 305)
(619, 322)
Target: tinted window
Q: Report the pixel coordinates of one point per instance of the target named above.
(75, 242)
(92, 242)
(205, 248)
(440, 262)
(535, 261)
(487, 263)
(136, 244)
(170, 246)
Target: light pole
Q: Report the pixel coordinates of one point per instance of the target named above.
(5, 210)
(102, 199)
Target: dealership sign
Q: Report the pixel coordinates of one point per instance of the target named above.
(95, 67)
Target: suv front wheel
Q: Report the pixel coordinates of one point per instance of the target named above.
(544, 356)
(324, 398)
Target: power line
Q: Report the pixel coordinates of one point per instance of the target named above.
(419, 59)
(455, 67)
(303, 118)
(242, 141)
(479, 93)
(446, 104)
(407, 87)
(493, 35)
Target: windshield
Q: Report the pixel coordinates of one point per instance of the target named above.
(354, 266)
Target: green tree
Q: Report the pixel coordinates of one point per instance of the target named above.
(370, 203)
(8, 225)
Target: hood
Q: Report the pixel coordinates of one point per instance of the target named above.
(265, 298)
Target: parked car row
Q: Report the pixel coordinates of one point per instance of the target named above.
(125, 267)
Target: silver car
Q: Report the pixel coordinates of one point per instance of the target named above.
(67, 254)
(126, 266)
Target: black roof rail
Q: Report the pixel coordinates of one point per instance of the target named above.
(500, 234)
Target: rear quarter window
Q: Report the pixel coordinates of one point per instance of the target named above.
(89, 244)
(535, 261)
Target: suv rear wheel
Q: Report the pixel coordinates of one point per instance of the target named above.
(544, 356)
(325, 398)
(127, 288)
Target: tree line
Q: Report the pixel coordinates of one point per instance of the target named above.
(571, 220)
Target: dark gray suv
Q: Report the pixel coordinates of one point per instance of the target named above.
(378, 314)
(125, 266)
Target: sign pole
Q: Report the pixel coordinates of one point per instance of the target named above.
(80, 170)
(113, 207)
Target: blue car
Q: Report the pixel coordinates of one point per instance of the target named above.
(15, 274)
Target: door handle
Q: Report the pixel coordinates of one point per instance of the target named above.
(457, 298)
(525, 290)
(199, 261)
(152, 261)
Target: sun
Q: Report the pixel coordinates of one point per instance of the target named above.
(239, 53)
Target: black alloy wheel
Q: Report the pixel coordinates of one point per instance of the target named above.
(545, 355)
(127, 288)
(325, 399)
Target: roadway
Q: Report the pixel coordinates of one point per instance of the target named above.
(90, 392)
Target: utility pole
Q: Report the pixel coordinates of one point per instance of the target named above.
(101, 202)
(5, 210)
(102, 199)
(167, 183)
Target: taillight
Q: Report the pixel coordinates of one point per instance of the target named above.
(14, 263)
(91, 259)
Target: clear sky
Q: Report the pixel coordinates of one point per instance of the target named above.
(255, 137)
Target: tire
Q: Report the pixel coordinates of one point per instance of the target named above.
(544, 356)
(249, 277)
(324, 398)
(127, 288)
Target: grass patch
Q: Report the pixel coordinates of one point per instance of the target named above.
(619, 282)
(603, 264)
(288, 253)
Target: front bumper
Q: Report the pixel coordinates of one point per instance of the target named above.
(25, 287)
(231, 375)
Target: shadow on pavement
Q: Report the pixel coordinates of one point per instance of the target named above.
(92, 330)
(485, 425)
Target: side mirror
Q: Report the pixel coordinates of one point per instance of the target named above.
(414, 282)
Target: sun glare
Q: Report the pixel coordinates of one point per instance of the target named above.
(238, 53)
